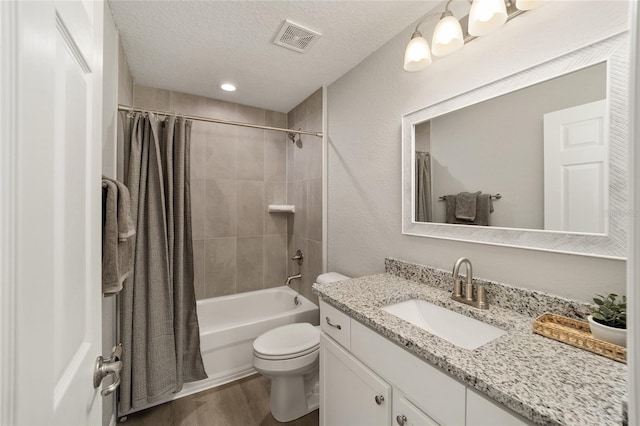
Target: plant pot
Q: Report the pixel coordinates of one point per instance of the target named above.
(617, 336)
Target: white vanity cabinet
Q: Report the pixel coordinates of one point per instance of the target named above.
(358, 366)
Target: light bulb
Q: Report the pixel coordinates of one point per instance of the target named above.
(228, 87)
(447, 36)
(486, 16)
(417, 56)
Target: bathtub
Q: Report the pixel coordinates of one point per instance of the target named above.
(230, 324)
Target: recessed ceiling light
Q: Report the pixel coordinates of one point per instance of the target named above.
(228, 87)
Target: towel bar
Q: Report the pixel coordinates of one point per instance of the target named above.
(493, 197)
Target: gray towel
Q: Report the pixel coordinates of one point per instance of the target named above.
(466, 205)
(484, 207)
(126, 228)
(117, 233)
(450, 203)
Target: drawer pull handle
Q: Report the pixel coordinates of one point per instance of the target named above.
(402, 419)
(338, 326)
(379, 399)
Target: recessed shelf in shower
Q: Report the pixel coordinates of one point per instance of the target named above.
(281, 208)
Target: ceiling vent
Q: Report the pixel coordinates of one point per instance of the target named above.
(296, 37)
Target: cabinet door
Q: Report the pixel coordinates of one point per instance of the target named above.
(350, 393)
(481, 411)
(407, 414)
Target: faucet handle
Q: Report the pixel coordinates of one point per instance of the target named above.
(482, 297)
(298, 256)
(457, 287)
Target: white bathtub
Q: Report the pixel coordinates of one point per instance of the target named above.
(230, 324)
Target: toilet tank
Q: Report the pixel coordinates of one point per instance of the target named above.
(331, 277)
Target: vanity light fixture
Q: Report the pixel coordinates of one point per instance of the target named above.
(485, 16)
(228, 87)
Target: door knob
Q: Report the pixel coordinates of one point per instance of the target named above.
(401, 419)
(379, 399)
(110, 366)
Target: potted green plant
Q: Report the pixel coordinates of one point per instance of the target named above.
(608, 319)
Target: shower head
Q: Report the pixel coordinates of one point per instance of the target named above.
(292, 136)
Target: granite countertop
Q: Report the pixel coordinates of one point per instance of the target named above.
(544, 380)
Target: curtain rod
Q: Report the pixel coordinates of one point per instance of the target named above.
(215, 120)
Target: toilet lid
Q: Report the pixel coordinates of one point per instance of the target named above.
(288, 340)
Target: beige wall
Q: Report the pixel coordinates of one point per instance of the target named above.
(304, 189)
(235, 173)
(365, 108)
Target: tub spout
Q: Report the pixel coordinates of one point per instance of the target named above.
(293, 277)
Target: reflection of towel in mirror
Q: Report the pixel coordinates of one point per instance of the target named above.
(466, 205)
(450, 205)
(484, 207)
(117, 233)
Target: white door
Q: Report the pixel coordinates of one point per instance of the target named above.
(350, 393)
(576, 169)
(58, 211)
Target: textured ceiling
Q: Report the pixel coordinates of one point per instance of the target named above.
(193, 46)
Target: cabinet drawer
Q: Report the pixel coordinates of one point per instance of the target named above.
(441, 397)
(407, 414)
(336, 324)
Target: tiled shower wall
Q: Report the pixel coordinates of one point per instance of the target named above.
(304, 188)
(235, 173)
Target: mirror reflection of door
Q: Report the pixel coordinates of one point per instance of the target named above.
(575, 168)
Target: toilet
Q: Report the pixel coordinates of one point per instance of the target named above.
(289, 357)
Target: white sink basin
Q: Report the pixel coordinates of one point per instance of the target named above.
(458, 329)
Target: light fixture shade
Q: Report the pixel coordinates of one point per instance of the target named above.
(417, 56)
(486, 16)
(528, 4)
(447, 37)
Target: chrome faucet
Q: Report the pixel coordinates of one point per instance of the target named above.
(467, 297)
(293, 277)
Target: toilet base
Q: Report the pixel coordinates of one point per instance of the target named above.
(294, 396)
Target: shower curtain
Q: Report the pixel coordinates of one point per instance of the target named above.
(158, 320)
(423, 187)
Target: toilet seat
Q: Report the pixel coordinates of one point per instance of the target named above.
(286, 356)
(287, 342)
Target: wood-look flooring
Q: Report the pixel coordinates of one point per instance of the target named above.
(242, 403)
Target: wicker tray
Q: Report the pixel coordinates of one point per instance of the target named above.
(576, 333)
